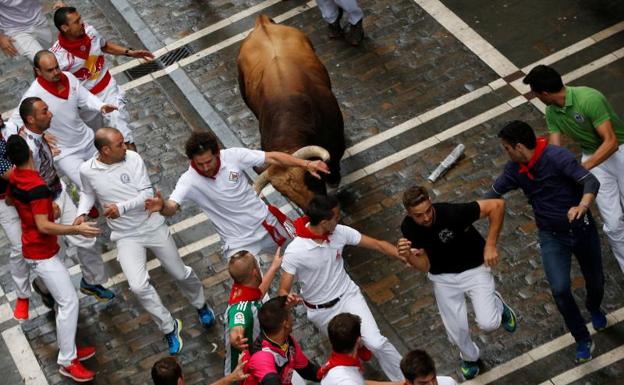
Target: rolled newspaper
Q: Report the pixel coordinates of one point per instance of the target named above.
(447, 163)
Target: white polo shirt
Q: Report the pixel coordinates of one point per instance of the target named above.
(229, 200)
(125, 184)
(343, 375)
(71, 131)
(319, 267)
(444, 380)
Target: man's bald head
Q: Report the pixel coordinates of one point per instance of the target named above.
(47, 66)
(104, 137)
(241, 268)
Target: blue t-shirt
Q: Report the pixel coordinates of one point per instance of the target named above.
(555, 188)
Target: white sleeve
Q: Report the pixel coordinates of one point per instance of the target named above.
(143, 185)
(85, 98)
(351, 236)
(180, 192)
(289, 262)
(246, 158)
(87, 195)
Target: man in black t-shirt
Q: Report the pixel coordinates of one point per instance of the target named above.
(440, 239)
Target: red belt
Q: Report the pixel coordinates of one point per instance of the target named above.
(102, 84)
(281, 218)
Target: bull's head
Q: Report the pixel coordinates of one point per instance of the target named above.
(294, 182)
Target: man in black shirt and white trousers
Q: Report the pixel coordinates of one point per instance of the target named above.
(439, 239)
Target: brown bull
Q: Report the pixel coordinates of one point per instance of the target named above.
(288, 89)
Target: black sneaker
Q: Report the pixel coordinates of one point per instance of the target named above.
(354, 34)
(334, 30)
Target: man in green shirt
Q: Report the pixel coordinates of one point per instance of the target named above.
(241, 315)
(585, 115)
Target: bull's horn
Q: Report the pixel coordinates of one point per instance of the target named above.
(261, 181)
(312, 152)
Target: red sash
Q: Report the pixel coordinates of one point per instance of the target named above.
(240, 293)
(52, 88)
(282, 219)
(304, 232)
(525, 168)
(338, 359)
(102, 84)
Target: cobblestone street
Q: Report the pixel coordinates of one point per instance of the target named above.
(429, 75)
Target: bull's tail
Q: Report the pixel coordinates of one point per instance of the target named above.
(263, 20)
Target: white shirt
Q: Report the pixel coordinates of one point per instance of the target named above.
(125, 184)
(344, 375)
(71, 132)
(444, 380)
(19, 15)
(90, 71)
(229, 200)
(319, 267)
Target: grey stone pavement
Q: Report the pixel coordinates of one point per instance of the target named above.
(408, 65)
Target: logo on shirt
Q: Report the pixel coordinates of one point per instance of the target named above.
(579, 117)
(338, 255)
(233, 176)
(239, 318)
(446, 235)
(125, 178)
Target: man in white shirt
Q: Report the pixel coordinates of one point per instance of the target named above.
(36, 117)
(23, 28)
(314, 257)
(216, 182)
(80, 50)
(118, 179)
(64, 95)
(344, 366)
(419, 369)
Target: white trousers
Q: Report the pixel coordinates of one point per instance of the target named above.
(20, 272)
(114, 95)
(131, 254)
(353, 302)
(56, 278)
(610, 200)
(69, 165)
(329, 10)
(90, 260)
(29, 42)
(450, 291)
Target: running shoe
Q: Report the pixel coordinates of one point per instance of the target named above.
(77, 372)
(584, 351)
(174, 339)
(20, 312)
(98, 291)
(509, 319)
(206, 316)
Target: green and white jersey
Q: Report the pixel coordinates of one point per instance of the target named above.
(243, 314)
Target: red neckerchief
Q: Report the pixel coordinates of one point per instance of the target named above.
(79, 47)
(301, 230)
(525, 168)
(53, 87)
(339, 359)
(242, 293)
(200, 172)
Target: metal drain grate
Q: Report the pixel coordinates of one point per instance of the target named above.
(165, 60)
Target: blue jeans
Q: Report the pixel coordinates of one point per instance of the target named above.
(557, 249)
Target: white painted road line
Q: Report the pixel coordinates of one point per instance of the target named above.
(469, 37)
(23, 356)
(199, 34)
(538, 353)
(581, 371)
(469, 124)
